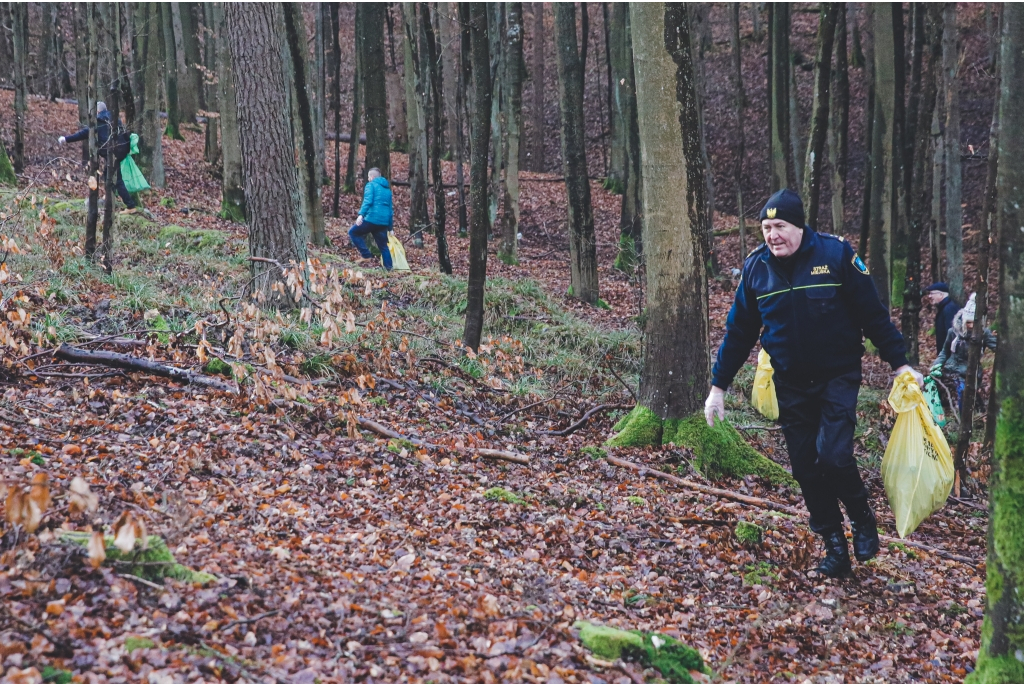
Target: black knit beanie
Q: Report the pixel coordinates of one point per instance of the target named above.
(785, 205)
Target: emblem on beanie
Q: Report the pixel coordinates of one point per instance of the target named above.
(771, 212)
(859, 265)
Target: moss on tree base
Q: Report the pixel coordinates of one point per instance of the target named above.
(674, 659)
(719, 451)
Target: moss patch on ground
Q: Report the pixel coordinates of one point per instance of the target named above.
(748, 533)
(719, 451)
(674, 659)
(153, 563)
(503, 495)
(196, 240)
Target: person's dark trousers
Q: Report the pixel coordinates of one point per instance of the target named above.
(380, 236)
(818, 418)
(122, 189)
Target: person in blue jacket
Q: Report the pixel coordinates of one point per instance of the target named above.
(103, 136)
(376, 217)
(810, 300)
(945, 309)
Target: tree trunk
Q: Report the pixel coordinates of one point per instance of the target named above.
(537, 127)
(49, 60)
(481, 132)
(495, 33)
(676, 357)
(322, 24)
(112, 26)
(82, 70)
(436, 141)
(920, 189)
(7, 177)
(211, 151)
(371, 44)
(232, 191)
(620, 62)
(188, 91)
(938, 169)
(954, 178)
(19, 21)
(255, 35)
(869, 163)
(884, 149)
(740, 103)
(460, 110)
(898, 259)
(419, 219)
(448, 52)
(508, 248)
(857, 59)
(839, 124)
(819, 118)
(782, 171)
(582, 243)
(170, 73)
(394, 86)
(357, 103)
(698, 18)
(302, 97)
(630, 216)
(336, 105)
(92, 204)
(151, 155)
(1002, 639)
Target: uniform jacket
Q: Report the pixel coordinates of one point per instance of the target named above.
(812, 325)
(944, 313)
(376, 207)
(102, 130)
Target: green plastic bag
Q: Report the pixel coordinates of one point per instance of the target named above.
(931, 396)
(132, 176)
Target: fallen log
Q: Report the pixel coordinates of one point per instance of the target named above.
(776, 506)
(129, 363)
(381, 429)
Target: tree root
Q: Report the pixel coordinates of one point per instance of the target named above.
(585, 418)
(503, 455)
(768, 504)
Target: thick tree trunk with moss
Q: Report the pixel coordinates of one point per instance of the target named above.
(255, 36)
(232, 191)
(1002, 636)
(582, 242)
(7, 177)
(508, 247)
(375, 103)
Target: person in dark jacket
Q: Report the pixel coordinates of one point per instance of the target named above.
(945, 309)
(103, 136)
(951, 364)
(810, 300)
(376, 217)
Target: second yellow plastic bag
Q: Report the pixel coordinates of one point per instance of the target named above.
(398, 260)
(763, 395)
(917, 468)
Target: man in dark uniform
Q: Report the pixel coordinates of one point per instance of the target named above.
(809, 298)
(945, 309)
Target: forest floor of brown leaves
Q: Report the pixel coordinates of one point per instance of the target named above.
(339, 555)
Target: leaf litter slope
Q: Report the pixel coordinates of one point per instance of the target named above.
(343, 556)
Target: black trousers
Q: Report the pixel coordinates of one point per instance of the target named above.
(818, 418)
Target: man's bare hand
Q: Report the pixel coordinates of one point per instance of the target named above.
(714, 405)
(913, 372)
(359, 220)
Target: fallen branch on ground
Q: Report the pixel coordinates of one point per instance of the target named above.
(130, 363)
(503, 455)
(585, 418)
(768, 504)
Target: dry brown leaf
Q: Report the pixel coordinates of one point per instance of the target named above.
(81, 498)
(97, 549)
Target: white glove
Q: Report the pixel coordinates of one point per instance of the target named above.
(714, 405)
(359, 220)
(62, 140)
(913, 372)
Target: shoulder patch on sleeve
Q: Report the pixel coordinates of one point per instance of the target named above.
(859, 264)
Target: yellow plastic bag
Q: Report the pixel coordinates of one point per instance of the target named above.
(763, 395)
(917, 468)
(398, 260)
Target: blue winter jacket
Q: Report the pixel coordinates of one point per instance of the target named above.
(376, 208)
(102, 130)
(812, 323)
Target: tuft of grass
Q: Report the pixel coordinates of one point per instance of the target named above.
(318, 365)
(748, 533)
(636, 501)
(594, 452)
(760, 573)
(503, 495)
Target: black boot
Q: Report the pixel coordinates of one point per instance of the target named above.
(865, 534)
(836, 563)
